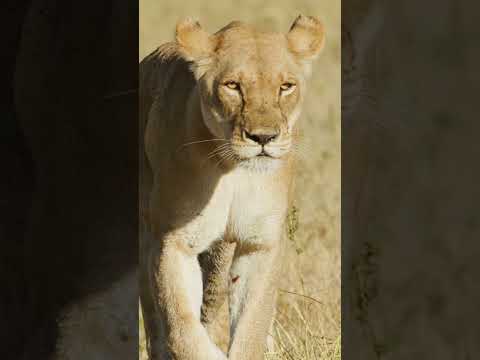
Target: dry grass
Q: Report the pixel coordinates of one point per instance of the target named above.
(307, 324)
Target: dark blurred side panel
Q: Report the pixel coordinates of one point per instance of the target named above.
(15, 190)
(410, 180)
(68, 185)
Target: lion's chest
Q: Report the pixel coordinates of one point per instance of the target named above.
(245, 208)
(242, 206)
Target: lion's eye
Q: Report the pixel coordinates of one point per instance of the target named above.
(287, 86)
(232, 85)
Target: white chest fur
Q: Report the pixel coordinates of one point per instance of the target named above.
(257, 209)
(248, 206)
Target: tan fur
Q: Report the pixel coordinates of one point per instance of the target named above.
(207, 193)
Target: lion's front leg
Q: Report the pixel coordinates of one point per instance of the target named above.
(215, 264)
(252, 299)
(176, 294)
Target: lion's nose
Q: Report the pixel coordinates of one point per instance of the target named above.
(263, 137)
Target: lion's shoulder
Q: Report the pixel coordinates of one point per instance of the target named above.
(162, 71)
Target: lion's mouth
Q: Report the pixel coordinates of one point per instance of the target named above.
(260, 153)
(260, 162)
(263, 153)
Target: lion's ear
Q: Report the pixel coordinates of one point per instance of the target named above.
(195, 42)
(306, 38)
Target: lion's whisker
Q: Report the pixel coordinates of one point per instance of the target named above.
(199, 142)
(217, 150)
(203, 141)
(223, 153)
(224, 157)
(220, 150)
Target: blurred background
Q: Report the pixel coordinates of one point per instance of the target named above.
(307, 324)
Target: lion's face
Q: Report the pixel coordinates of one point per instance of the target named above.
(251, 87)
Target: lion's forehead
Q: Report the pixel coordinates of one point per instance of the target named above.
(251, 37)
(261, 53)
(260, 69)
(263, 77)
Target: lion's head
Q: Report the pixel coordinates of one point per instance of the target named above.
(251, 85)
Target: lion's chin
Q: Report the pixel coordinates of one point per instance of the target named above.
(260, 164)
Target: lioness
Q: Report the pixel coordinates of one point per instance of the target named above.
(217, 125)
